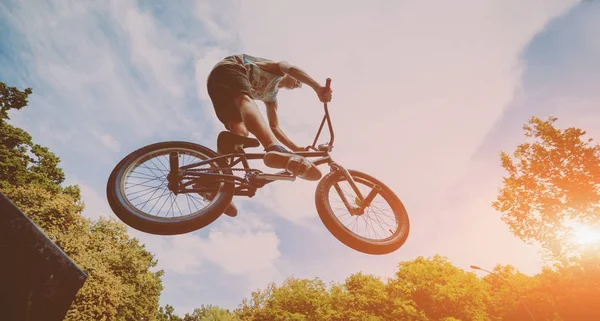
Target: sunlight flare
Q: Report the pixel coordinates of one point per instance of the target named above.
(585, 235)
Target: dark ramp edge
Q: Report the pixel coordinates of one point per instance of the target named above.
(38, 281)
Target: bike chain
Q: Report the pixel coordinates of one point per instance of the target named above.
(212, 170)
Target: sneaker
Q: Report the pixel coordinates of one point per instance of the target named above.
(231, 210)
(279, 157)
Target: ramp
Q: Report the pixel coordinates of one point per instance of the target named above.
(38, 281)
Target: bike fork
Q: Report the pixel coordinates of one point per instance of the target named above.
(364, 201)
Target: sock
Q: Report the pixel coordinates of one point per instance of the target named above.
(276, 148)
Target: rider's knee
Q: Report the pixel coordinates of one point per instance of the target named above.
(243, 100)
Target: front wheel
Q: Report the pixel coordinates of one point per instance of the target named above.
(384, 221)
(138, 193)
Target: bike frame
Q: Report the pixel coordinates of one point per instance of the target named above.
(321, 151)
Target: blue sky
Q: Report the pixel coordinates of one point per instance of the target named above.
(437, 92)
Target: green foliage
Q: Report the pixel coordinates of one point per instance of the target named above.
(211, 313)
(440, 290)
(117, 256)
(24, 162)
(12, 98)
(553, 180)
(55, 213)
(167, 313)
(296, 299)
(120, 284)
(434, 289)
(361, 297)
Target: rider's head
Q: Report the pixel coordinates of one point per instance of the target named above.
(289, 82)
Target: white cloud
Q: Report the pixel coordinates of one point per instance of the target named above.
(240, 245)
(152, 49)
(109, 141)
(111, 65)
(218, 19)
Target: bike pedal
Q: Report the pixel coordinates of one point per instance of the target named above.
(276, 177)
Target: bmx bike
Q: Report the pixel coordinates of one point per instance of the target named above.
(199, 183)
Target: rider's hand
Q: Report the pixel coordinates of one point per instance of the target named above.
(324, 94)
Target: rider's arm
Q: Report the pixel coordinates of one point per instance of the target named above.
(299, 74)
(274, 124)
(283, 67)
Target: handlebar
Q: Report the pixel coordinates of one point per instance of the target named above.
(328, 146)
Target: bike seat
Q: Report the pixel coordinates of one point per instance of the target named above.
(226, 142)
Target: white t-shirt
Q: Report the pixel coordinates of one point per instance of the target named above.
(263, 83)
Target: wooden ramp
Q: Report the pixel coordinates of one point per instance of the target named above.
(38, 281)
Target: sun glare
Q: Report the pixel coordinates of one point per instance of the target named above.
(585, 235)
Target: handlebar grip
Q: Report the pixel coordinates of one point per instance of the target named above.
(328, 83)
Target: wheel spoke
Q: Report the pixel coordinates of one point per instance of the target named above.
(373, 222)
(145, 185)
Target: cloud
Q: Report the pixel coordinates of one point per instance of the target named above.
(109, 141)
(245, 244)
(219, 19)
(151, 50)
(239, 246)
(124, 73)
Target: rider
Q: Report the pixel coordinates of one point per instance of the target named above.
(233, 85)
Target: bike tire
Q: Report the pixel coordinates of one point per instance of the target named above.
(136, 219)
(345, 235)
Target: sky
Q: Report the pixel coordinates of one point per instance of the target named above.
(425, 97)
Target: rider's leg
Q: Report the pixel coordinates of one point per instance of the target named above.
(277, 156)
(238, 128)
(253, 121)
(230, 91)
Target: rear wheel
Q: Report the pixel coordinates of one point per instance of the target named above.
(138, 194)
(380, 228)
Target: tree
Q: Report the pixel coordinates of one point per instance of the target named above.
(570, 291)
(24, 162)
(211, 313)
(553, 181)
(514, 295)
(440, 290)
(167, 313)
(295, 299)
(364, 297)
(120, 284)
(12, 98)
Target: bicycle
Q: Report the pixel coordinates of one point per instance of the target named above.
(212, 179)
